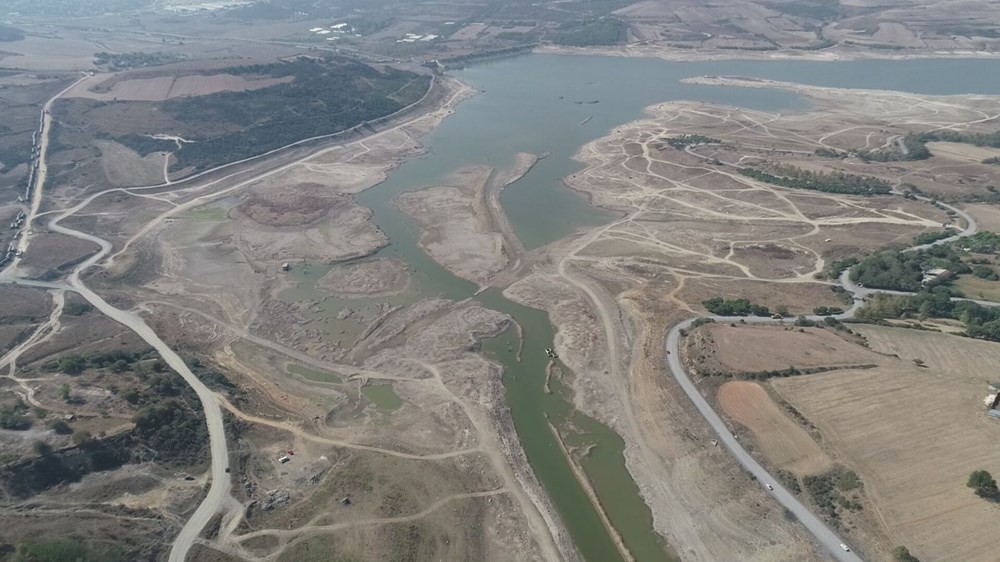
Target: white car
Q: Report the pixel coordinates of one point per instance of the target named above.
(844, 546)
(770, 487)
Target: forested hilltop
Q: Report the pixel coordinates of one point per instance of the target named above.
(324, 97)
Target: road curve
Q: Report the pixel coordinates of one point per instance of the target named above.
(220, 479)
(220, 484)
(823, 534)
(218, 491)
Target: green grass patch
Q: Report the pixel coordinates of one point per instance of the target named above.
(211, 213)
(383, 396)
(314, 375)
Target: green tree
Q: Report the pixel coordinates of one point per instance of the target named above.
(42, 448)
(983, 483)
(131, 395)
(82, 437)
(984, 272)
(902, 554)
(64, 392)
(72, 364)
(60, 427)
(11, 418)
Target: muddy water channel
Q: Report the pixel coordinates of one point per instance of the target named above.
(554, 104)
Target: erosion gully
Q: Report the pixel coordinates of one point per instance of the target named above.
(555, 104)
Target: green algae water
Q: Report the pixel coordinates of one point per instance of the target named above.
(555, 104)
(383, 396)
(533, 409)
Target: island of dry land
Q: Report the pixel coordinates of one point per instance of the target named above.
(464, 226)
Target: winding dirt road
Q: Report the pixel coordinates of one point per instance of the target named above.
(218, 492)
(826, 536)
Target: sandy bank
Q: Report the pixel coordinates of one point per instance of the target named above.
(464, 226)
(374, 278)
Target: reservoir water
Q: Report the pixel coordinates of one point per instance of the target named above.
(555, 104)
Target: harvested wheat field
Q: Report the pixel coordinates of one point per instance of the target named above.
(914, 434)
(781, 440)
(748, 349)
(161, 88)
(961, 151)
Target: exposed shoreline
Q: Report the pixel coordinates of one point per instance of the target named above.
(700, 55)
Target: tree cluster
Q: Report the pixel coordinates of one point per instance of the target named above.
(115, 361)
(916, 149)
(988, 140)
(734, 307)
(603, 31)
(930, 237)
(324, 97)
(682, 141)
(902, 554)
(984, 485)
(123, 61)
(904, 271)
(827, 182)
(829, 491)
(827, 310)
(981, 322)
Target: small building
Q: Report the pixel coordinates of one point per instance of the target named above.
(936, 274)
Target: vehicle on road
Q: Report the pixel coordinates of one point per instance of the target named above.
(844, 546)
(770, 487)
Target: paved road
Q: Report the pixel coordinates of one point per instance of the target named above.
(826, 537)
(40, 174)
(823, 534)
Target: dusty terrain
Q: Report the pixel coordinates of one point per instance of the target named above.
(107, 88)
(694, 228)
(780, 439)
(366, 279)
(865, 419)
(397, 437)
(917, 482)
(385, 400)
(450, 415)
(455, 225)
(464, 226)
(749, 349)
